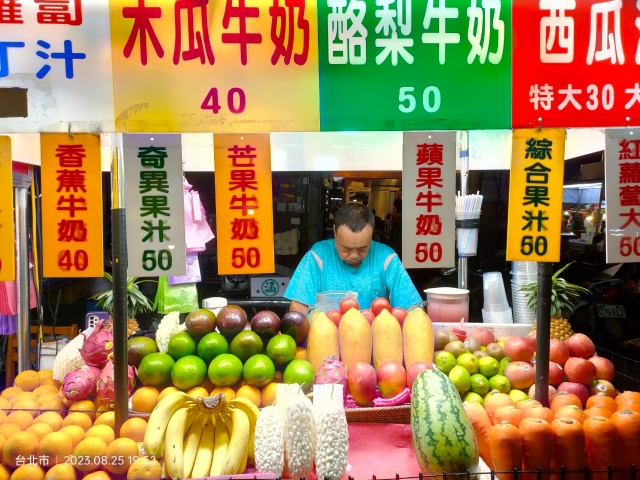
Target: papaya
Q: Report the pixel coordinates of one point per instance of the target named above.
(387, 339)
(322, 341)
(417, 338)
(356, 339)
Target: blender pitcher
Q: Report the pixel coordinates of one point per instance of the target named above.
(446, 304)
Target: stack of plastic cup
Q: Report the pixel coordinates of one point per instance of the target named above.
(522, 273)
(496, 306)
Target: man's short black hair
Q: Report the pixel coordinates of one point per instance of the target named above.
(355, 217)
(398, 204)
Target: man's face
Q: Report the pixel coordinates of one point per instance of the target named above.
(353, 247)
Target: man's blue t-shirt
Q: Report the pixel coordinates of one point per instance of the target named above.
(379, 275)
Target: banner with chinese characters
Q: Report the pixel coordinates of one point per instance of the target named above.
(403, 65)
(71, 205)
(576, 63)
(428, 199)
(535, 195)
(227, 66)
(244, 204)
(622, 191)
(7, 234)
(59, 52)
(155, 205)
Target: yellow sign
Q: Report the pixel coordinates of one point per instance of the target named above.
(224, 66)
(71, 205)
(244, 204)
(7, 244)
(535, 195)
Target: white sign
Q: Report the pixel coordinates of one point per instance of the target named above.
(155, 205)
(428, 203)
(60, 51)
(622, 189)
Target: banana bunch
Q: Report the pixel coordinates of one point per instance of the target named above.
(201, 437)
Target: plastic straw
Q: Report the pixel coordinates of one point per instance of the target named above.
(468, 207)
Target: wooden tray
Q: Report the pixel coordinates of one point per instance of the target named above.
(399, 414)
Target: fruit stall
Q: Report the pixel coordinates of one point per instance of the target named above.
(373, 393)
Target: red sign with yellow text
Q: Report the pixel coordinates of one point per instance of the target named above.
(244, 204)
(7, 248)
(576, 63)
(71, 205)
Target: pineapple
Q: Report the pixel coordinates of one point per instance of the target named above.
(564, 297)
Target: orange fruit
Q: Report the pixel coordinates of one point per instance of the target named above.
(19, 444)
(105, 432)
(268, 394)
(64, 399)
(207, 385)
(3, 416)
(32, 407)
(301, 353)
(40, 430)
(45, 389)
(9, 393)
(51, 381)
(101, 409)
(107, 418)
(78, 418)
(134, 428)
(145, 399)
(228, 393)
(55, 448)
(28, 380)
(46, 396)
(5, 404)
(23, 397)
(122, 449)
(86, 406)
(98, 475)
(53, 419)
(145, 468)
(75, 433)
(45, 374)
(8, 429)
(252, 393)
(94, 448)
(55, 404)
(198, 392)
(166, 392)
(62, 471)
(28, 471)
(5, 472)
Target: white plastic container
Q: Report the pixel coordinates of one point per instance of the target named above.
(214, 304)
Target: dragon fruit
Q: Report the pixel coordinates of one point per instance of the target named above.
(331, 371)
(97, 346)
(105, 382)
(81, 383)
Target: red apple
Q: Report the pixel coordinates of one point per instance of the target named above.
(580, 370)
(558, 351)
(604, 368)
(520, 374)
(369, 315)
(580, 346)
(602, 387)
(414, 370)
(531, 336)
(399, 313)
(334, 316)
(518, 348)
(532, 391)
(392, 379)
(577, 389)
(484, 336)
(362, 383)
(556, 373)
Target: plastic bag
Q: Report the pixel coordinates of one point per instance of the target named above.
(176, 298)
(193, 272)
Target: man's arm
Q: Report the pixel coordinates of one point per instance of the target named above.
(298, 307)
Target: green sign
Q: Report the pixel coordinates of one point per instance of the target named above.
(414, 64)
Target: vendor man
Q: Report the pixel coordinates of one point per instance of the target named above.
(352, 261)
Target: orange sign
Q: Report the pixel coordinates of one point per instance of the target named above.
(71, 205)
(7, 248)
(244, 204)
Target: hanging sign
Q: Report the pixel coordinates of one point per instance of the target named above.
(402, 65)
(428, 191)
(59, 51)
(244, 204)
(71, 205)
(622, 184)
(576, 63)
(155, 205)
(201, 66)
(7, 234)
(535, 195)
